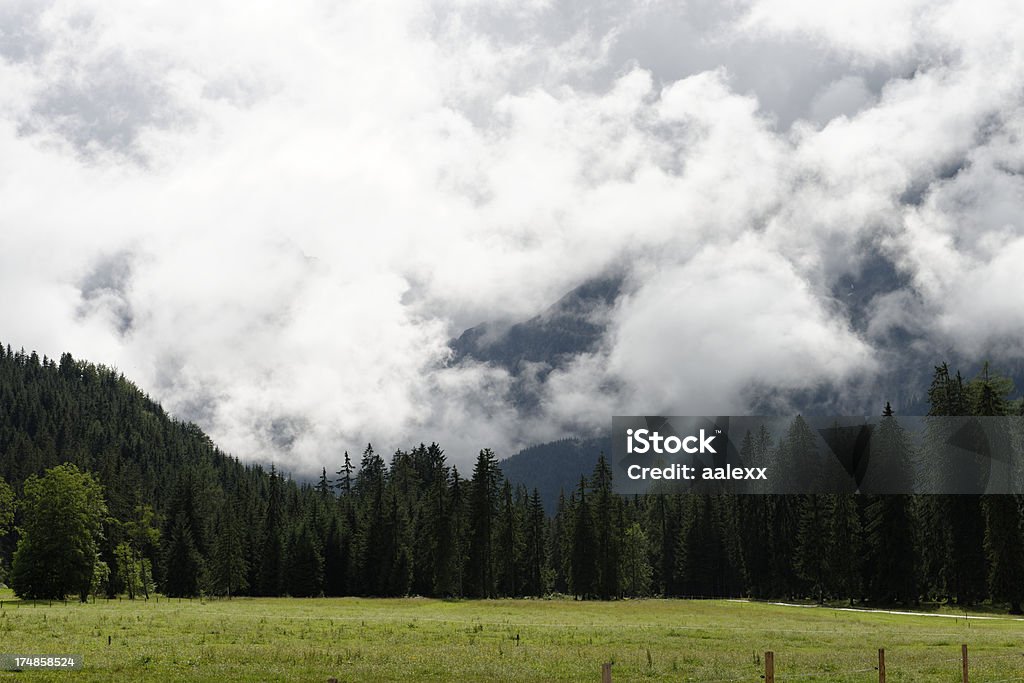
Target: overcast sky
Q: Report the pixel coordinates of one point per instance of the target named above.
(272, 216)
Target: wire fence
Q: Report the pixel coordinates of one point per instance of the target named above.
(971, 669)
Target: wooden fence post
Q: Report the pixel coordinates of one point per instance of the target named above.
(606, 672)
(963, 657)
(769, 667)
(881, 665)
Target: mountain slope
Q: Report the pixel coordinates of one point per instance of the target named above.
(531, 349)
(555, 467)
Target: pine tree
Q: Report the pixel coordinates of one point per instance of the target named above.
(228, 566)
(535, 547)
(272, 562)
(559, 546)
(372, 553)
(583, 558)
(812, 544)
(754, 518)
(509, 544)
(987, 394)
(1004, 546)
(344, 481)
(696, 548)
(891, 551)
(335, 559)
(459, 534)
(665, 527)
(305, 573)
(636, 564)
(956, 557)
(323, 487)
(1004, 542)
(843, 547)
(607, 532)
(483, 507)
(397, 554)
(183, 561)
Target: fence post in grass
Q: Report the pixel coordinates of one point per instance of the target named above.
(963, 657)
(769, 667)
(881, 665)
(606, 672)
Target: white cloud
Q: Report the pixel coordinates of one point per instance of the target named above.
(275, 220)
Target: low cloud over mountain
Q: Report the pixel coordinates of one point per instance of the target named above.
(277, 221)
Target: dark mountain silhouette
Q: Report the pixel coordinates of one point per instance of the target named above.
(531, 349)
(555, 467)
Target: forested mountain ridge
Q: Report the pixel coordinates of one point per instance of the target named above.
(73, 411)
(163, 509)
(555, 467)
(52, 412)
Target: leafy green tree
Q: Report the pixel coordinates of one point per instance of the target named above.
(128, 569)
(6, 521)
(100, 578)
(144, 536)
(62, 517)
(6, 507)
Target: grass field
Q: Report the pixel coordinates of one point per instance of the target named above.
(418, 639)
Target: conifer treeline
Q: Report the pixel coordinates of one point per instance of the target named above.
(185, 519)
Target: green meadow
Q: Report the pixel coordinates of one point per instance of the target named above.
(287, 639)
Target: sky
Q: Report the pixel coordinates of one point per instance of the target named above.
(273, 217)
